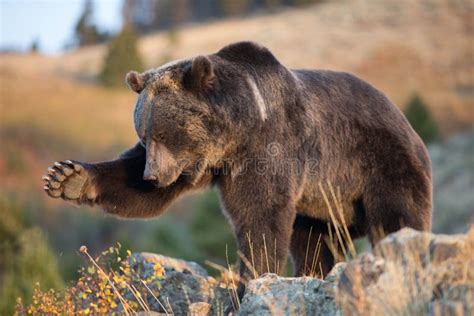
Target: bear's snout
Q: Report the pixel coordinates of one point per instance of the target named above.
(161, 166)
(148, 174)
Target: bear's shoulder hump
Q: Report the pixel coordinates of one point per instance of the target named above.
(248, 52)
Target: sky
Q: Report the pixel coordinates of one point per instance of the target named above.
(52, 22)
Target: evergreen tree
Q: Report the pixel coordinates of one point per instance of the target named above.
(271, 5)
(122, 56)
(235, 7)
(34, 47)
(421, 120)
(86, 32)
(306, 2)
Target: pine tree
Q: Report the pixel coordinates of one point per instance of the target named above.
(271, 5)
(122, 57)
(86, 32)
(235, 7)
(35, 46)
(306, 2)
(421, 120)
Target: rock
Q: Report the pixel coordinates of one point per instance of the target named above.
(336, 272)
(403, 246)
(442, 308)
(274, 295)
(173, 264)
(409, 273)
(365, 270)
(186, 288)
(199, 309)
(182, 289)
(444, 247)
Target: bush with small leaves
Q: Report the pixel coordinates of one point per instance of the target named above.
(110, 283)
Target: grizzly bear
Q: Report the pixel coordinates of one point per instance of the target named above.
(275, 142)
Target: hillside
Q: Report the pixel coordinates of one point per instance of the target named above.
(399, 46)
(453, 175)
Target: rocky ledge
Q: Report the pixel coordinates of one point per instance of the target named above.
(407, 273)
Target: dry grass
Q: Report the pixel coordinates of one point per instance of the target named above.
(344, 242)
(64, 109)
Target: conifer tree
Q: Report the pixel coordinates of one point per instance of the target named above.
(122, 56)
(86, 32)
(420, 118)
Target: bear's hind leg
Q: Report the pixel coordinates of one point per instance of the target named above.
(388, 212)
(309, 250)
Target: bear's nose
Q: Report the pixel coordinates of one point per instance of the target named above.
(148, 174)
(149, 177)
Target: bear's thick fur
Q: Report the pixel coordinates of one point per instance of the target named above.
(274, 141)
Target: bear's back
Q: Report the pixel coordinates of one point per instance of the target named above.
(347, 96)
(344, 105)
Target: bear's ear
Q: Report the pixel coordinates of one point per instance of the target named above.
(135, 81)
(202, 74)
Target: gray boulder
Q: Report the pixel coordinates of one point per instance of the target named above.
(411, 273)
(274, 295)
(186, 288)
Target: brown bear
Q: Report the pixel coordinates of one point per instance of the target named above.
(270, 138)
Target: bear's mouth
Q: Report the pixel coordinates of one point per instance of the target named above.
(160, 185)
(163, 175)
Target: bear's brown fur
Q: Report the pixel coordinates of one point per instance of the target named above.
(270, 139)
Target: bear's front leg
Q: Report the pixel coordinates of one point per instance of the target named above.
(117, 186)
(104, 183)
(262, 213)
(263, 237)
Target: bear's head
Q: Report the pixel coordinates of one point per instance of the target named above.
(190, 112)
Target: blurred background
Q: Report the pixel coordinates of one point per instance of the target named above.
(62, 96)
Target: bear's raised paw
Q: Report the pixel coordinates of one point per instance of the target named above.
(67, 180)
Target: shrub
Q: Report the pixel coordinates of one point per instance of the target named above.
(421, 120)
(111, 283)
(25, 259)
(86, 32)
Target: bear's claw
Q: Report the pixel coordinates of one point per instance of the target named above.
(76, 166)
